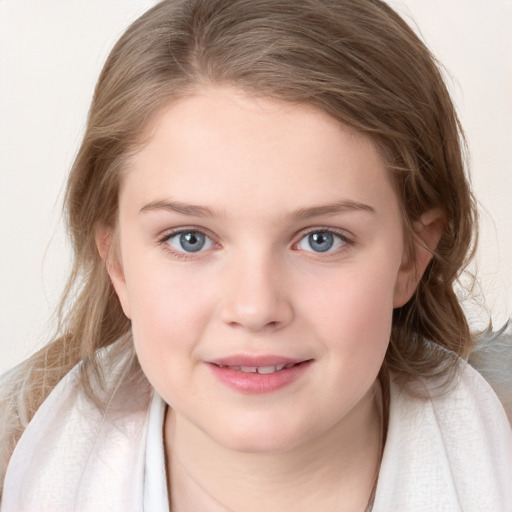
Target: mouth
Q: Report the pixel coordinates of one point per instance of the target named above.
(262, 370)
(258, 375)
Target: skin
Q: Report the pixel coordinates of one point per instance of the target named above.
(258, 287)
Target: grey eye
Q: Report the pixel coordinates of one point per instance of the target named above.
(190, 241)
(321, 241)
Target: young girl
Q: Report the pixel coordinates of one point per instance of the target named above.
(269, 211)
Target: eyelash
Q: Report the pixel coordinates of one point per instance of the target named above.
(164, 242)
(346, 241)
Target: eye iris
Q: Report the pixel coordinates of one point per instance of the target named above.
(321, 241)
(192, 241)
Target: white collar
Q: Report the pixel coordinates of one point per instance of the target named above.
(155, 475)
(451, 453)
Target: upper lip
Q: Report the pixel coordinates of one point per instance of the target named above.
(255, 360)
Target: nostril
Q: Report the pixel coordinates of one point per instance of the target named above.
(268, 325)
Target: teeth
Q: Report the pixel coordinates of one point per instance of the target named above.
(263, 370)
(266, 369)
(249, 369)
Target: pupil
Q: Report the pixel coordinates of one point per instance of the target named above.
(321, 241)
(192, 242)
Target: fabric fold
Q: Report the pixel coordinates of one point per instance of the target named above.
(75, 457)
(450, 452)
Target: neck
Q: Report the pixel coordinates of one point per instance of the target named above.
(336, 471)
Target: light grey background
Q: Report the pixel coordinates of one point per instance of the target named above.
(51, 52)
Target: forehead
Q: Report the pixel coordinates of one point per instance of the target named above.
(221, 146)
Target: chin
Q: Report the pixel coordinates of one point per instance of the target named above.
(261, 437)
(261, 444)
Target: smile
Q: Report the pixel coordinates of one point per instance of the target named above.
(259, 378)
(262, 370)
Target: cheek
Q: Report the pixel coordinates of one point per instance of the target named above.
(355, 311)
(164, 305)
(169, 310)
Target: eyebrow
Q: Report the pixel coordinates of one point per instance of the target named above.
(177, 207)
(333, 209)
(301, 213)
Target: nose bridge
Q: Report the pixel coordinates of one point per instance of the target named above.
(255, 296)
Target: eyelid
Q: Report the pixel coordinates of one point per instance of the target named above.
(163, 240)
(167, 233)
(343, 233)
(345, 236)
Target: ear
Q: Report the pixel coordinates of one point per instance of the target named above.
(427, 233)
(109, 252)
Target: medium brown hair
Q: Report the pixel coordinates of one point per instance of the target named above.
(356, 60)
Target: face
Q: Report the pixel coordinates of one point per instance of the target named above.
(261, 254)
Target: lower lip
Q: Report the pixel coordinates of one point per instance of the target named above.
(256, 383)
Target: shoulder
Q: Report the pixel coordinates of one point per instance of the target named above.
(73, 445)
(492, 357)
(470, 410)
(450, 451)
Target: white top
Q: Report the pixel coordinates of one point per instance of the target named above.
(155, 478)
(450, 453)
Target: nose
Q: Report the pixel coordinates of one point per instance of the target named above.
(255, 296)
